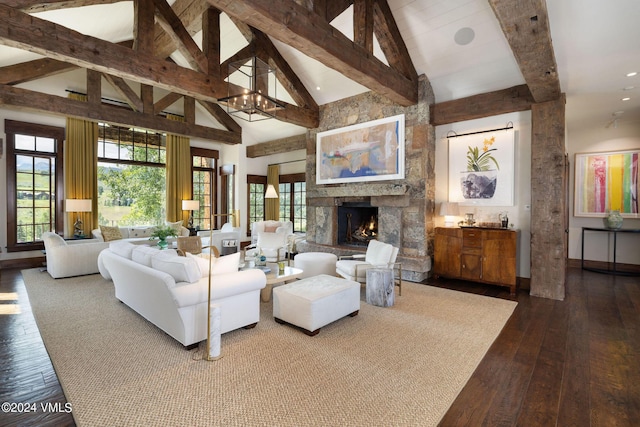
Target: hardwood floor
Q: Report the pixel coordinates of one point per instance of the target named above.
(574, 362)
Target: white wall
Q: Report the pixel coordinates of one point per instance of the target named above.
(520, 213)
(599, 246)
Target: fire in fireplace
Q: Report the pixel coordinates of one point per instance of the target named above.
(357, 224)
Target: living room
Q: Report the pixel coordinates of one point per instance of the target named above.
(542, 204)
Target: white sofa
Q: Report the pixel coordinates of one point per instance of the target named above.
(71, 258)
(165, 289)
(138, 235)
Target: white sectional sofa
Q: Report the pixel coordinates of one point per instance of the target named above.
(171, 291)
(138, 235)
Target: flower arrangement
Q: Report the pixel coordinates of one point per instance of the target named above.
(163, 231)
(477, 161)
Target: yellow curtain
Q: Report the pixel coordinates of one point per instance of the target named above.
(81, 169)
(179, 180)
(272, 206)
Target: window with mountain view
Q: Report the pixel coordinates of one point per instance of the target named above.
(34, 183)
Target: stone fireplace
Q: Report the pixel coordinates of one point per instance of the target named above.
(357, 223)
(403, 208)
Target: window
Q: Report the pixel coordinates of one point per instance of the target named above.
(131, 176)
(256, 186)
(204, 185)
(34, 183)
(293, 200)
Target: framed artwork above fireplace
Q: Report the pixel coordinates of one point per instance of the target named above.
(371, 151)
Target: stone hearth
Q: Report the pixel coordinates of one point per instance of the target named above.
(405, 207)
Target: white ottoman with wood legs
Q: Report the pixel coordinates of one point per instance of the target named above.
(315, 302)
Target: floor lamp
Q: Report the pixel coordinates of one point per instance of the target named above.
(213, 315)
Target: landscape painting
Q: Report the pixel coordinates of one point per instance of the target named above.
(371, 151)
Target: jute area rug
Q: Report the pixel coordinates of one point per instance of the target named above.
(394, 366)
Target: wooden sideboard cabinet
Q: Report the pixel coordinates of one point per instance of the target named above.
(486, 255)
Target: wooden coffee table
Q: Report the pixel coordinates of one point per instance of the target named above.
(276, 278)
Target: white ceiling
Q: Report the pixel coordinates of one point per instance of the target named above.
(596, 44)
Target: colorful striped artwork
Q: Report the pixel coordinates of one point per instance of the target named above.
(605, 182)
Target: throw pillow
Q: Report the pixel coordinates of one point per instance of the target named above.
(122, 248)
(270, 228)
(182, 269)
(142, 254)
(110, 233)
(223, 265)
(140, 231)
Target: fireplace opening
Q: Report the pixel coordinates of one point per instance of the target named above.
(357, 224)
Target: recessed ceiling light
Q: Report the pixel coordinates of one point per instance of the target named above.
(317, 87)
(464, 36)
(626, 99)
(632, 74)
(629, 88)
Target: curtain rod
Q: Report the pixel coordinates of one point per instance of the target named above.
(115, 101)
(290, 161)
(455, 135)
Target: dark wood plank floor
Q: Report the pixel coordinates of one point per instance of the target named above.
(567, 363)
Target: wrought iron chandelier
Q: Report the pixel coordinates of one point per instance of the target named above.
(252, 90)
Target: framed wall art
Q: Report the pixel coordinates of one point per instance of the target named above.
(371, 151)
(481, 168)
(606, 181)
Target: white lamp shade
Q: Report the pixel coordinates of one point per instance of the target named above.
(190, 205)
(448, 209)
(78, 205)
(270, 193)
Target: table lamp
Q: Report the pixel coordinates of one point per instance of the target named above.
(190, 205)
(78, 205)
(448, 210)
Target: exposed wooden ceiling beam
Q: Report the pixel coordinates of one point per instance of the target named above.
(282, 145)
(311, 34)
(525, 24)
(190, 14)
(125, 91)
(23, 31)
(170, 23)
(41, 6)
(517, 98)
(42, 102)
(32, 70)
(391, 42)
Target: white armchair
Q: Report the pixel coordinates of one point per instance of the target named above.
(274, 246)
(270, 226)
(379, 254)
(75, 258)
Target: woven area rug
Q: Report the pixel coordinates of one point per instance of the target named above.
(400, 365)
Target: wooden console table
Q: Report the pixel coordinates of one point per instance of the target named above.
(615, 242)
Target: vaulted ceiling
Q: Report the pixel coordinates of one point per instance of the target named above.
(154, 54)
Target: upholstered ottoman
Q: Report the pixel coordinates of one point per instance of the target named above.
(315, 263)
(315, 302)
